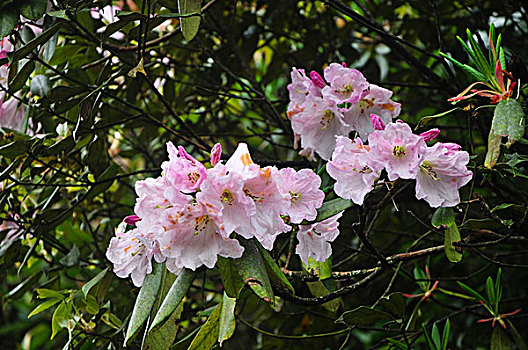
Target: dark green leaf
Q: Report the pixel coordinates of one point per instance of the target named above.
(274, 272)
(144, 302)
(253, 271)
(331, 208)
(500, 340)
(445, 334)
(21, 77)
(174, 297)
(72, 258)
(394, 303)
(363, 317)
(318, 289)
(40, 85)
(33, 9)
(208, 335)
(471, 291)
(9, 18)
(33, 44)
(231, 279)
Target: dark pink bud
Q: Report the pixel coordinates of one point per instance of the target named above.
(344, 64)
(430, 134)
(317, 79)
(377, 123)
(183, 154)
(216, 154)
(132, 219)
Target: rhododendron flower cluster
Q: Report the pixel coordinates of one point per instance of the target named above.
(439, 170)
(191, 214)
(321, 109)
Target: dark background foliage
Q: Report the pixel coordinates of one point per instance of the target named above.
(104, 130)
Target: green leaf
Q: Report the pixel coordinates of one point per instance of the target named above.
(318, 289)
(44, 306)
(253, 271)
(471, 291)
(91, 283)
(174, 297)
(394, 303)
(274, 272)
(33, 44)
(331, 208)
(40, 85)
(435, 335)
(49, 293)
(480, 60)
(468, 69)
(61, 319)
(231, 279)
(208, 335)
(490, 290)
(33, 9)
(498, 286)
(500, 340)
(443, 217)
(58, 14)
(508, 120)
(519, 342)
(452, 235)
(397, 344)
(363, 317)
(189, 25)
(227, 319)
(428, 339)
(445, 334)
(21, 77)
(144, 302)
(72, 258)
(9, 18)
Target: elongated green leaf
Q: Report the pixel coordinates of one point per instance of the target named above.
(490, 290)
(33, 44)
(318, 289)
(471, 291)
(227, 319)
(21, 77)
(394, 303)
(208, 334)
(452, 235)
(144, 302)
(500, 340)
(331, 208)
(274, 272)
(189, 25)
(44, 306)
(60, 319)
(91, 283)
(427, 119)
(428, 339)
(363, 317)
(508, 120)
(480, 60)
(468, 69)
(231, 279)
(445, 334)
(323, 269)
(253, 271)
(435, 335)
(174, 297)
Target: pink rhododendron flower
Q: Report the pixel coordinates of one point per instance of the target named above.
(314, 239)
(182, 171)
(317, 79)
(318, 125)
(377, 101)
(299, 88)
(222, 195)
(131, 253)
(346, 84)
(349, 167)
(305, 195)
(195, 240)
(442, 172)
(397, 150)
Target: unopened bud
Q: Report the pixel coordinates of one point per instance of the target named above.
(216, 154)
(430, 134)
(317, 79)
(132, 219)
(377, 123)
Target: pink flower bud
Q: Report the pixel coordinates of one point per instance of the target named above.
(216, 154)
(183, 154)
(317, 79)
(430, 134)
(132, 219)
(344, 64)
(377, 123)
